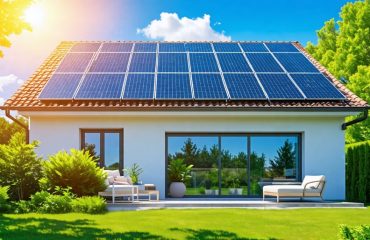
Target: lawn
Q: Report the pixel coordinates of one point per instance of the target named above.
(188, 224)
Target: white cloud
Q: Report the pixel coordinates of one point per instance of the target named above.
(9, 80)
(172, 28)
(2, 101)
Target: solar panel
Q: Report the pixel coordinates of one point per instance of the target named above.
(173, 86)
(243, 86)
(233, 62)
(279, 86)
(75, 62)
(145, 47)
(263, 62)
(253, 47)
(226, 47)
(198, 47)
(85, 47)
(295, 62)
(208, 86)
(316, 86)
(61, 86)
(282, 47)
(172, 62)
(101, 86)
(110, 62)
(143, 62)
(171, 47)
(203, 62)
(116, 47)
(139, 86)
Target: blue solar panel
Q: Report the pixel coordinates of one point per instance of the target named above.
(172, 62)
(101, 86)
(203, 62)
(208, 86)
(226, 47)
(139, 86)
(253, 47)
(316, 86)
(173, 86)
(61, 86)
(85, 47)
(295, 62)
(171, 47)
(198, 47)
(75, 62)
(281, 47)
(243, 86)
(143, 62)
(110, 62)
(279, 86)
(263, 62)
(145, 47)
(233, 62)
(116, 47)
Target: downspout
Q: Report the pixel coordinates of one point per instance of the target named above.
(356, 120)
(7, 113)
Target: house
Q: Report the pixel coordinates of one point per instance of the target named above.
(245, 114)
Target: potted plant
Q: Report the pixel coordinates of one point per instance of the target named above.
(236, 190)
(178, 173)
(134, 173)
(208, 190)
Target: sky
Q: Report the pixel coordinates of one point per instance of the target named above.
(225, 20)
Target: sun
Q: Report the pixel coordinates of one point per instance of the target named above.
(34, 15)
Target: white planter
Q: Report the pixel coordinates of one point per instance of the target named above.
(208, 192)
(215, 192)
(239, 191)
(177, 189)
(232, 191)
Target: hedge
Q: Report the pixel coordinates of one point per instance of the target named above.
(358, 172)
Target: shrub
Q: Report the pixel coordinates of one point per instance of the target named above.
(4, 205)
(91, 205)
(354, 233)
(20, 167)
(22, 206)
(76, 170)
(38, 199)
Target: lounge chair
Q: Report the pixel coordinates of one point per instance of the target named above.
(312, 186)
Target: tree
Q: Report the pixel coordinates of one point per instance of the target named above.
(343, 48)
(285, 159)
(11, 21)
(190, 152)
(7, 129)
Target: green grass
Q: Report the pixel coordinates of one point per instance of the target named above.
(187, 224)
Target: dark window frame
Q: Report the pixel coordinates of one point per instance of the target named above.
(102, 131)
(248, 135)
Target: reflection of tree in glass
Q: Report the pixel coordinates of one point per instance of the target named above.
(113, 166)
(284, 160)
(90, 148)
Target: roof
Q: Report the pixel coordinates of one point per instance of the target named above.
(26, 97)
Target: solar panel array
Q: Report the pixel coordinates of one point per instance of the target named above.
(188, 70)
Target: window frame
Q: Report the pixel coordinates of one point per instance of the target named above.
(249, 135)
(102, 132)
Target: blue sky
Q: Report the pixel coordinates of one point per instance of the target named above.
(160, 20)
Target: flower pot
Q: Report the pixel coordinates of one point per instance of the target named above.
(177, 189)
(232, 191)
(208, 192)
(215, 192)
(239, 191)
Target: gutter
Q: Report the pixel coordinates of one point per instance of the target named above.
(356, 120)
(24, 126)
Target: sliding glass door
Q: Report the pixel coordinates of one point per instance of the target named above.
(236, 164)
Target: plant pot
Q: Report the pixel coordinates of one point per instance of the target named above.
(177, 189)
(239, 191)
(209, 192)
(232, 191)
(215, 192)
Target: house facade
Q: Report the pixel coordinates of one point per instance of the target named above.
(253, 132)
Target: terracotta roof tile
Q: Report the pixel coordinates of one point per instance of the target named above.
(26, 97)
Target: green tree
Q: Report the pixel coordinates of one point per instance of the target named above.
(190, 152)
(344, 49)
(8, 129)
(285, 159)
(11, 21)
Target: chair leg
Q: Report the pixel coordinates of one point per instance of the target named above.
(263, 197)
(277, 198)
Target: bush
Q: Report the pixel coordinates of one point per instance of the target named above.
(4, 205)
(76, 170)
(20, 167)
(38, 200)
(23, 206)
(354, 233)
(56, 204)
(92, 205)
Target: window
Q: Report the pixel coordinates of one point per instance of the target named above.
(105, 145)
(236, 164)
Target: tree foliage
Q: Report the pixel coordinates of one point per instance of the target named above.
(284, 160)
(7, 129)
(11, 21)
(344, 49)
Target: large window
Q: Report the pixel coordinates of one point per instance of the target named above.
(105, 145)
(236, 164)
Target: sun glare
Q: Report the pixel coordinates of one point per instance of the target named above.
(34, 15)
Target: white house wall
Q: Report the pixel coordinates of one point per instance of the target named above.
(144, 139)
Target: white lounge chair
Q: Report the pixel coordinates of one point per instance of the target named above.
(312, 186)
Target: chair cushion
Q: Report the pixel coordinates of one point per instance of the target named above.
(123, 179)
(287, 189)
(112, 173)
(109, 180)
(314, 185)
